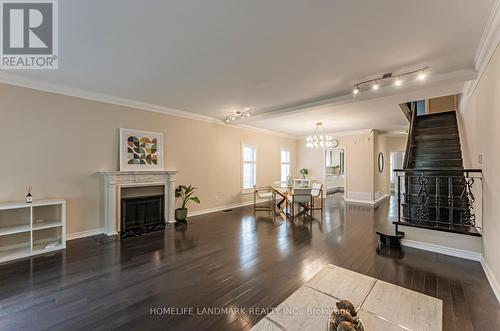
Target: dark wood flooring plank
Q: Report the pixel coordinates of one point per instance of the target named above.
(237, 259)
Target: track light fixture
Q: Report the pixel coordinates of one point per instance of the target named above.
(232, 116)
(398, 80)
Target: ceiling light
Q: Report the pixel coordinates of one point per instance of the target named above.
(419, 73)
(237, 114)
(323, 140)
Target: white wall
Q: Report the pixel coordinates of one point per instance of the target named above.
(479, 120)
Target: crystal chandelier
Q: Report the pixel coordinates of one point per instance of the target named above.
(321, 140)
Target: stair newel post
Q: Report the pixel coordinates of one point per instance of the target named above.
(438, 211)
(450, 200)
(399, 198)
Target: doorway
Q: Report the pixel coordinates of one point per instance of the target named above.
(335, 171)
(396, 162)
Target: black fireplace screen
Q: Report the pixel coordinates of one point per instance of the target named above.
(142, 212)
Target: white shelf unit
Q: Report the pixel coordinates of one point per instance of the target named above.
(28, 229)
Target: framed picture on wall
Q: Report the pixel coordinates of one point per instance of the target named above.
(141, 150)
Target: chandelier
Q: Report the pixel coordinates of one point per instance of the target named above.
(321, 140)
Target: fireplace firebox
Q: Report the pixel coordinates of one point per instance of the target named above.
(142, 214)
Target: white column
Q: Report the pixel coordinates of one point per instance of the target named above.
(110, 207)
(170, 187)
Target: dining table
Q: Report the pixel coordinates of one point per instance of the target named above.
(283, 190)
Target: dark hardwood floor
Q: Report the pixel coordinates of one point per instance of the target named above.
(226, 259)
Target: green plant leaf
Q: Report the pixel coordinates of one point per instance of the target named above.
(195, 199)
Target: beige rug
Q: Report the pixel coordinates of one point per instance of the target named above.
(381, 305)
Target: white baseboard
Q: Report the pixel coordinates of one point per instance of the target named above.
(474, 256)
(83, 234)
(221, 208)
(368, 202)
(88, 233)
(495, 286)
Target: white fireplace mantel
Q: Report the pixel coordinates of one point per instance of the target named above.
(114, 181)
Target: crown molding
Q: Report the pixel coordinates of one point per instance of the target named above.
(343, 133)
(39, 85)
(486, 48)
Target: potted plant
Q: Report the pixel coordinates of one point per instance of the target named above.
(186, 194)
(304, 172)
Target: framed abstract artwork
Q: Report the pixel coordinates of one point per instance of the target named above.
(141, 150)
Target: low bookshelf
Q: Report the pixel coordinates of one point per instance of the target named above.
(28, 229)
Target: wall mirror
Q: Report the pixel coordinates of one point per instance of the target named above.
(380, 162)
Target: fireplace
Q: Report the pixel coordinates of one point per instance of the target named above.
(120, 185)
(142, 209)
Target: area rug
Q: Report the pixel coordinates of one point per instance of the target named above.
(381, 305)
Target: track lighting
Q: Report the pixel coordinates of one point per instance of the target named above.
(421, 75)
(237, 115)
(397, 82)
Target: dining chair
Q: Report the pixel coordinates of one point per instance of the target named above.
(300, 196)
(317, 193)
(263, 193)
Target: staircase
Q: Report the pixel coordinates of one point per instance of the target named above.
(438, 190)
(436, 142)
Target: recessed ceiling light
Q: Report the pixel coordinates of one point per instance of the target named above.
(375, 86)
(398, 82)
(356, 90)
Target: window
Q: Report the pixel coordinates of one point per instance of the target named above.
(248, 166)
(285, 164)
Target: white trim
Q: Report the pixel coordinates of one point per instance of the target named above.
(495, 286)
(34, 84)
(221, 208)
(83, 234)
(368, 202)
(486, 48)
(474, 256)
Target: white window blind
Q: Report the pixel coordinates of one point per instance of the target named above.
(285, 164)
(248, 166)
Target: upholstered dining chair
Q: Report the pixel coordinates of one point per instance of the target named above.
(300, 196)
(317, 193)
(263, 193)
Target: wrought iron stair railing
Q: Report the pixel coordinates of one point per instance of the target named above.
(444, 199)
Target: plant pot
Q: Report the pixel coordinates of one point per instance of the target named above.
(181, 214)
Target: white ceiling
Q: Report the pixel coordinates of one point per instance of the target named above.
(382, 113)
(210, 57)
